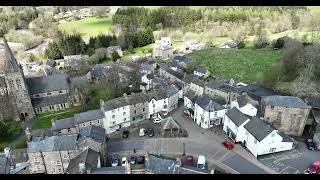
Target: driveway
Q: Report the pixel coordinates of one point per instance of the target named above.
(291, 162)
(199, 142)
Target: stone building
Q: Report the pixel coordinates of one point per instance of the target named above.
(78, 122)
(163, 48)
(287, 114)
(93, 137)
(16, 86)
(49, 93)
(86, 162)
(171, 74)
(138, 107)
(51, 155)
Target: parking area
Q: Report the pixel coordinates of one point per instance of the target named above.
(295, 161)
(134, 130)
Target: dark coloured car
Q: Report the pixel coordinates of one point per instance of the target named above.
(150, 132)
(125, 134)
(133, 160)
(310, 145)
(189, 160)
(140, 160)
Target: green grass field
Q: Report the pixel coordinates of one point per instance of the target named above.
(44, 120)
(239, 64)
(88, 27)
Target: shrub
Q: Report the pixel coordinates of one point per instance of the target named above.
(241, 45)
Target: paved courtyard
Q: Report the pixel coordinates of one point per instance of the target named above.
(199, 142)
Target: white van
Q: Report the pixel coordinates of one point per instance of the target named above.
(201, 164)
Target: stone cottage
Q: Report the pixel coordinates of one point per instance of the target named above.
(286, 113)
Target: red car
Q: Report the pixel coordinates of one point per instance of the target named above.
(314, 168)
(228, 145)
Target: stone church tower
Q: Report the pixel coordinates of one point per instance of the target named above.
(16, 85)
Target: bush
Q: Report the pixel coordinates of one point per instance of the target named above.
(115, 56)
(27, 38)
(241, 45)
(279, 43)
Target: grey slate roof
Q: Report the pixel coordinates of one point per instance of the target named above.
(63, 124)
(183, 59)
(45, 84)
(236, 116)
(169, 123)
(286, 138)
(256, 92)
(93, 132)
(208, 104)
(50, 63)
(163, 92)
(110, 170)
(285, 101)
(191, 95)
(242, 101)
(50, 100)
(213, 84)
(4, 164)
(89, 157)
(178, 84)
(147, 67)
(258, 128)
(159, 165)
(314, 102)
(316, 115)
(53, 143)
(125, 101)
(88, 116)
(198, 82)
(176, 74)
(202, 70)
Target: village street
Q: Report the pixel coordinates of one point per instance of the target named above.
(199, 142)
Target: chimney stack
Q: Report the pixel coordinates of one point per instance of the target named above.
(212, 171)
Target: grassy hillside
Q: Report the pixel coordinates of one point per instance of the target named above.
(88, 27)
(239, 64)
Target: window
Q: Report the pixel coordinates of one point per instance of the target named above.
(154, 105)
(134, 105)
(113, 116)
(124, 113)
(37, 95)
(60, 91)
(143, 109)
(113, 122)
(48, 93)
(272, 150)
(164, 101)
(133, 119)
(69, 130)
(90, 123)
(124, 107)
(124, 119)
(36, 159)
(83, 125)
(135, 112)
(98, 120)
(65, 157)
(38, 167)
(272, 107)
(58, 163)
(215, 114)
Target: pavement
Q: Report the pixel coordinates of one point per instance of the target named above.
(199, 142)
(294, 161)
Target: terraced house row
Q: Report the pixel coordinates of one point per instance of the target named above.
(123, 111)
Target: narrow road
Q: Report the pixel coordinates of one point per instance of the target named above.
(199, 142)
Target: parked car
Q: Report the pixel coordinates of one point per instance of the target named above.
(150, 132)
(228, 144)
(124, 161)
(132, 160)
(114, 160)
(310, 145)
(156, 120)
(314, 168)
(201, 164)
(125, 134)
(189, 160)
(140, 160)
(142, 132)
